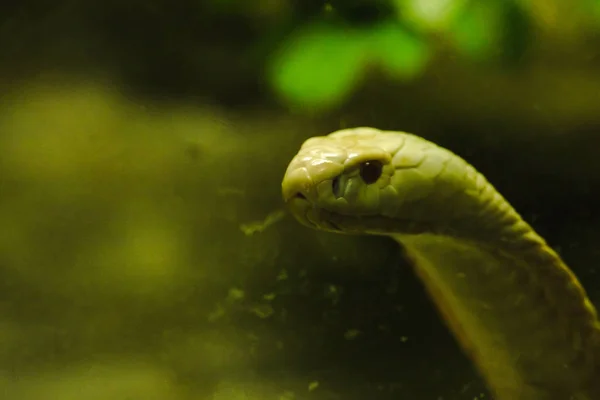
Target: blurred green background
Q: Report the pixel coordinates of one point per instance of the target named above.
(144, 251)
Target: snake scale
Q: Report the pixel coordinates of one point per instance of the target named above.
(515, 308)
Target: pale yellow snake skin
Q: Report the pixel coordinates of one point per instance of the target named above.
(517, 310)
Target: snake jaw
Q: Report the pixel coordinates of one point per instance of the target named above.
(308, 215)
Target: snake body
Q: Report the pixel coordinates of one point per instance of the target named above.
(516, 309)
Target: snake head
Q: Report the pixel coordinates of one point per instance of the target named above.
(364, 180)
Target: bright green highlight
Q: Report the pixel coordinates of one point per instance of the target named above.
(430, 14)
(320, 65)
(476, 33)
(399, 53)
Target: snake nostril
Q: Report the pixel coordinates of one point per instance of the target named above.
(335, 186)
(300, 196)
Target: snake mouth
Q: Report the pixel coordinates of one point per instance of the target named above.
(311, 216)
(322, 219)
(300, 196)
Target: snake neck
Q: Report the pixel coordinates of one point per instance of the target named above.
(515, 308)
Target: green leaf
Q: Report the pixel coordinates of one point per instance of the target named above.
(402, 54)
(319, 66)
(477, 32)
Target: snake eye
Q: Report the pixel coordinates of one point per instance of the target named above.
(370, 171)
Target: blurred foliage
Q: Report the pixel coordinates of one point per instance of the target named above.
(321, 62)
(104, 242)
(313, 54)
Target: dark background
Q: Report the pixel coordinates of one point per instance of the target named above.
(137, 139)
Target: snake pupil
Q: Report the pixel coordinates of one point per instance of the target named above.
(371, 171)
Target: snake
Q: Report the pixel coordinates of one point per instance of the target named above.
(516, 310)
